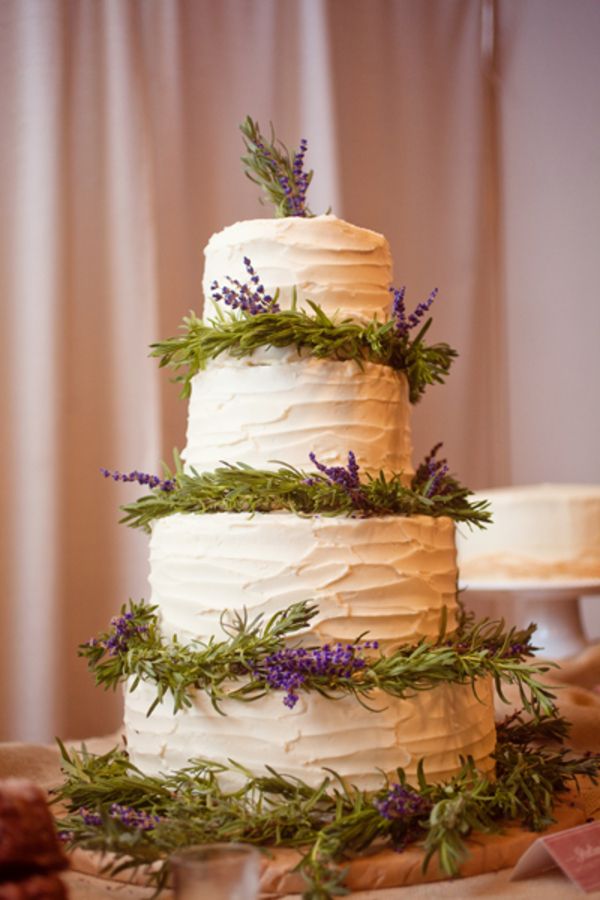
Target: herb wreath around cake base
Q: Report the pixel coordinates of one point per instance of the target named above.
(140, 819)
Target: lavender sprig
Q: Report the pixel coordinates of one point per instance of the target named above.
(250, 297)
(123, 629)
(431, 476)
(127, 815)
(404, 323)
(151, 481)
(278, 172)
(400, 802)
(288, 669)
(346, 477)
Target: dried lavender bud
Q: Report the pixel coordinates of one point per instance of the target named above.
(401, 803)
(347, 477)
(152, 481)
(404, 324)
(250, 297)
(288, 669)
(123, 630)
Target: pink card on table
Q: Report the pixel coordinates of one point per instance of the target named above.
(576, 851)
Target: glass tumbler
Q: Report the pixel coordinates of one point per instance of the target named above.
(216, 872)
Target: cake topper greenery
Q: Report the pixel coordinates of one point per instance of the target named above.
(254, 320)
(330, 491)
(276, 170)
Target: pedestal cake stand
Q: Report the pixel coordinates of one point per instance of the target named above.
(552, 604)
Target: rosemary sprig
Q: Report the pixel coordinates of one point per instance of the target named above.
(269, 164)
(239, 668)
(328, 824)
(241, 488)
(311, 332)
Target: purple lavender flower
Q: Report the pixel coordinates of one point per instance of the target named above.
(301, 181)
(294, 186)
(404, 323)
(66, 836)
(152, 481)
(134, 818)
(431, 474)
(129, 817)
(346, 477)
(250, 297)
(402, 803)
(289, 668)
(399, 310)
(124, 628)
(90, 818)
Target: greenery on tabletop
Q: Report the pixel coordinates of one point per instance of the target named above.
(242, 488)
(328, 824)
(311, 332)
(245, 666)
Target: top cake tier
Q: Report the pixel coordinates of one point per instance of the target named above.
(339, 266)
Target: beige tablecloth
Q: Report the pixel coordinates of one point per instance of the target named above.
(578, 700)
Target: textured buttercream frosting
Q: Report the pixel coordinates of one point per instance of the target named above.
(390, 576)
(340, 266)
(438, 726)
(539, 532)
(274, 405)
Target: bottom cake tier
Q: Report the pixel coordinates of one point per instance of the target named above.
(439, 726)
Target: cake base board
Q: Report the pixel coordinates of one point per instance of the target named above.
(383, 869)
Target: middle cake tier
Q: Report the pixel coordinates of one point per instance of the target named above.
(390, 576)
(276, 405)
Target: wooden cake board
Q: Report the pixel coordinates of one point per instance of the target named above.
(376, 870)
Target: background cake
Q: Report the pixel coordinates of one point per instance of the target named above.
(544, 532)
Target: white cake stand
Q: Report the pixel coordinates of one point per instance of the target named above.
(552, 605)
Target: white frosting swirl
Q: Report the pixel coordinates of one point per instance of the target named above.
(389, 576)
(277, 406)
(329, 261)
(439, 726)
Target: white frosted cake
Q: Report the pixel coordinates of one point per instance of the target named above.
(390, 576)
(277, 405)
(540, 532)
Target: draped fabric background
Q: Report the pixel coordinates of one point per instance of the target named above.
(465, 131)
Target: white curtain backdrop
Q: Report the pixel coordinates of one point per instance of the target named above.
(465, 131)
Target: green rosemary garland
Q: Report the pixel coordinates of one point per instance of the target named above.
(328, 824)
(312, 333)
(241, 488)
(242, 667)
